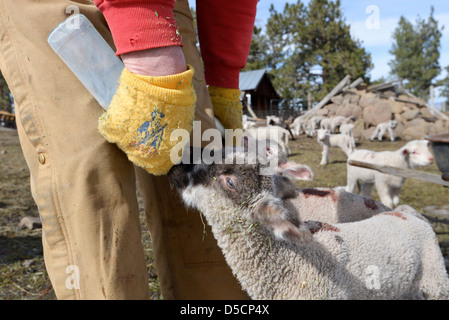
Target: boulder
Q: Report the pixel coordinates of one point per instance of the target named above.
(348, 110)
(376, 113)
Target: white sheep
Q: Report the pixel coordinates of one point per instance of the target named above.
(313, 124)
(382, 128)
(337, 121)
(326, 124)
(348, 129)
(276, 255)
(299, 125)
(327, 140)
(275, 133)
(414, 154)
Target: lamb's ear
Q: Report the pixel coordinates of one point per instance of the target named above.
(284, 224)
(283, 187)
(296, 171)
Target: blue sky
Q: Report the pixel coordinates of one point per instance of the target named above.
(376, 37)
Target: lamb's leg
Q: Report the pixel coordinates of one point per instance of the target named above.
(395, 195)
(351, 184)
(367, 189)
(325, 155)
(391, 132)
(381, 134)
(384, 192)
(374, 134)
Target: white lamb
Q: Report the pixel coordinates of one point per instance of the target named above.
(276, 255)
(414, 154)
(382, 128)
(326, 124)
(299, 125)
(327, 140)
(275, 133)
(348, 129)
(337, 121)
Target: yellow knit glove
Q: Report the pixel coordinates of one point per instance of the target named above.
(144, 112)
(227, 106)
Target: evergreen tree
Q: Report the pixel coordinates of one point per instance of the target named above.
(310, 49)
(416, 53)
(444, 84)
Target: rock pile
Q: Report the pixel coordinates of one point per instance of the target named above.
(373, 105)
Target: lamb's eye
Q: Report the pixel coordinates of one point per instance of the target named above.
(229, 183)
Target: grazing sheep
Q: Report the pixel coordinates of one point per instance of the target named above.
(414, 154)
(382, 128)
(313, 124)
(348, 129)
(327, 140)
(326, 124)
(275, 133)
(337, 121)
(276, 255)
(299, 125)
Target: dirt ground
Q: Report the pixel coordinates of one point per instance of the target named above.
(22, 268)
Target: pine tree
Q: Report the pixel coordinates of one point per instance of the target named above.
(416, 53)
(310, 49)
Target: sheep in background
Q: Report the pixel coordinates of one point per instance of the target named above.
(313, 124)
(348, 129)
(338, 121)
(327, 140)
(276, 255)
(414, 154)
(326, 124)
(299, 125)
(275, 133)
(382, 128)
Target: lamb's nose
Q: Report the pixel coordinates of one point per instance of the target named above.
(431, 159)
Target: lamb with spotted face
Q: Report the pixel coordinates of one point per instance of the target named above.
(277, 255)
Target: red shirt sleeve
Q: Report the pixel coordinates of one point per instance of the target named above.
(139, 25)
(225, 28)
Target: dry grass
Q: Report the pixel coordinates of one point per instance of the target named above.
(22, 269)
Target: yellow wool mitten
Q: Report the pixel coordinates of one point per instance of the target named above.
(227, 106)
(144, 112)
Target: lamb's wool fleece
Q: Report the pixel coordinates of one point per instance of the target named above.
(378, 258)
(333, 205)
(392, 255)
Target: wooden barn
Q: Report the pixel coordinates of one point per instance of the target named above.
(258, 92)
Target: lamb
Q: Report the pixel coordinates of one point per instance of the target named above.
(337, 121)
(348, 129)
(414, 154)
(276, 255)
(275, 133)
(327, 140)
(299, 125)
(331, 205)
(382, 128)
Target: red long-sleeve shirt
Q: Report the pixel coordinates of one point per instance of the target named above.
(224, 30)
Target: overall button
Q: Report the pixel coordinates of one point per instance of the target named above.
(41, 158)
